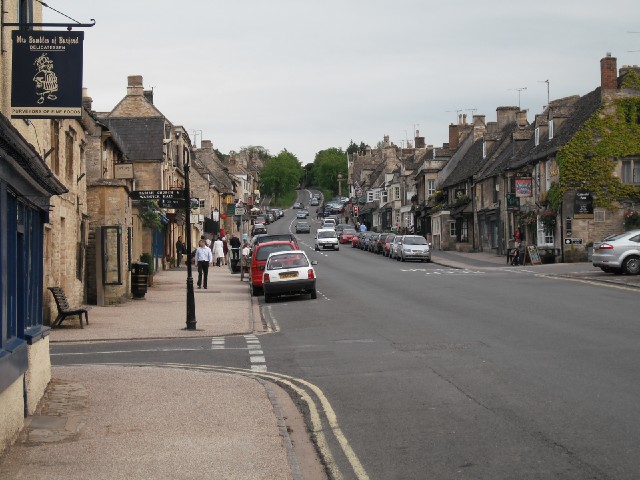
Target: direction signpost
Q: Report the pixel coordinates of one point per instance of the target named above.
(165, 198)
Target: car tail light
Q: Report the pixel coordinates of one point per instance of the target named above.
(605, 246)
(311, 274)
(266, 278)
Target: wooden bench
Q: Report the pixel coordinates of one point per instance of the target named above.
(64, 310)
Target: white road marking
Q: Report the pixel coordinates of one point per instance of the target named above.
(256, 355)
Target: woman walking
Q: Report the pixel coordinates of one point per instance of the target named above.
(218, 251)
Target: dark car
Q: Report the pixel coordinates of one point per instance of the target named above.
(303, 227)
(259, 228)
(387, 244)
(379, 245)
(371, 243)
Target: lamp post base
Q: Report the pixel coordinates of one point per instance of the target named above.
(191, 305)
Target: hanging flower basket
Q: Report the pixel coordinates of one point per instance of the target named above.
(548, 219)
(631, 220)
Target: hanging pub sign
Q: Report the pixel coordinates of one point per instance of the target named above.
(47, 74)
(523, 187)
(513, 202)
(583, 205)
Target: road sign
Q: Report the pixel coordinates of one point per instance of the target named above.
(165, 198)
(240, 210)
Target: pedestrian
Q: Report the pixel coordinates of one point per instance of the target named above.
(318, 213)
(363, 227)
(225, 249)
(222, 232)
(235, 247)
(203, 260)
(179, 251)
(218, 251)
(516, 249)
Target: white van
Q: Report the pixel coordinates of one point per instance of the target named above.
(326, 238)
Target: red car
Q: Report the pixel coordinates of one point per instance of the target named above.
(387, 244)
(346, 236)
(259, 259)
(355, 241)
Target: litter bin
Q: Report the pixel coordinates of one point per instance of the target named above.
(139, 276)
(235, 260)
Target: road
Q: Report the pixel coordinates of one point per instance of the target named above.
(483, 373)
(433, 372)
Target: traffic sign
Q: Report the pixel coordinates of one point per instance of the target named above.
(240, 211)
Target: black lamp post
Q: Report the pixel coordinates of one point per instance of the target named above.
(191, 303)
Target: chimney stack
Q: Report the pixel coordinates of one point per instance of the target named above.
(522, 118)
(135, 87)
(87, 101)
(148, 94)
(206, 144)
(608, 73)
(453, 136)
(506, 115)
(419, 140)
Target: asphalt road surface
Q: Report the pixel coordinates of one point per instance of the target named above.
(485, 373)
(440, 373)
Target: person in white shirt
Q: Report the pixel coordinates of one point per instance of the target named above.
(218, 251)
(203, 260)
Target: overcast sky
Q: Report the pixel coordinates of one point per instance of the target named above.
(306, 75)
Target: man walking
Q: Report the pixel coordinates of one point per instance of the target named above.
(203, 260)
(235, 247)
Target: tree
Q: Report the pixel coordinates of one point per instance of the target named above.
(326, 167)
(281, 174)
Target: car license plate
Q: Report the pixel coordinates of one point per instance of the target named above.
(289, 275)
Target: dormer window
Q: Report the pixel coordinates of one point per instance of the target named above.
(385, 197)
(550, 129)
(536, 137)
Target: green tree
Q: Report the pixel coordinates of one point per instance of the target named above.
(281, 175)
(326, 167)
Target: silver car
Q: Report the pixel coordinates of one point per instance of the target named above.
(394, 247)
(618, 253)
(414, 247)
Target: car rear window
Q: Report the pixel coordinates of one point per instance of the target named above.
(265, 250)
(289, 260)
(331, 234)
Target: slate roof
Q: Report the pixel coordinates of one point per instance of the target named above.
(506, 152)
(584, 108)
(468, 166)
(141, 138)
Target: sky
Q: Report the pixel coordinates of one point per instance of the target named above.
(307, 75)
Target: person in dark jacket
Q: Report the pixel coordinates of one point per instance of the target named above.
(179, 251)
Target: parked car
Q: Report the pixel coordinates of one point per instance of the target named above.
(355, 241)
(618, 253)
(261, 219)
(364, 240)
(327, 238)
(342, 226)
(259, 258)
(288, 273)
(371, 244)
(387, 244)
(379, 245)
(414, 247)
(394, 248)
(346, 235)
(303, 227)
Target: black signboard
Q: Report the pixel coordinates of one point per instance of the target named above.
(513, 202)
(165, 198)
(583, 205)
(47, 74)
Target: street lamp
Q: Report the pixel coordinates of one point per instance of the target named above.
(191, 303)
(340, 178)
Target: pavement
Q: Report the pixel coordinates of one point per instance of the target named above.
(163, 421)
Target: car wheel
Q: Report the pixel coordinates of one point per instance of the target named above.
(402, 259)
(337, 248)
(314, 294)
(631, 265)
(267, 298)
